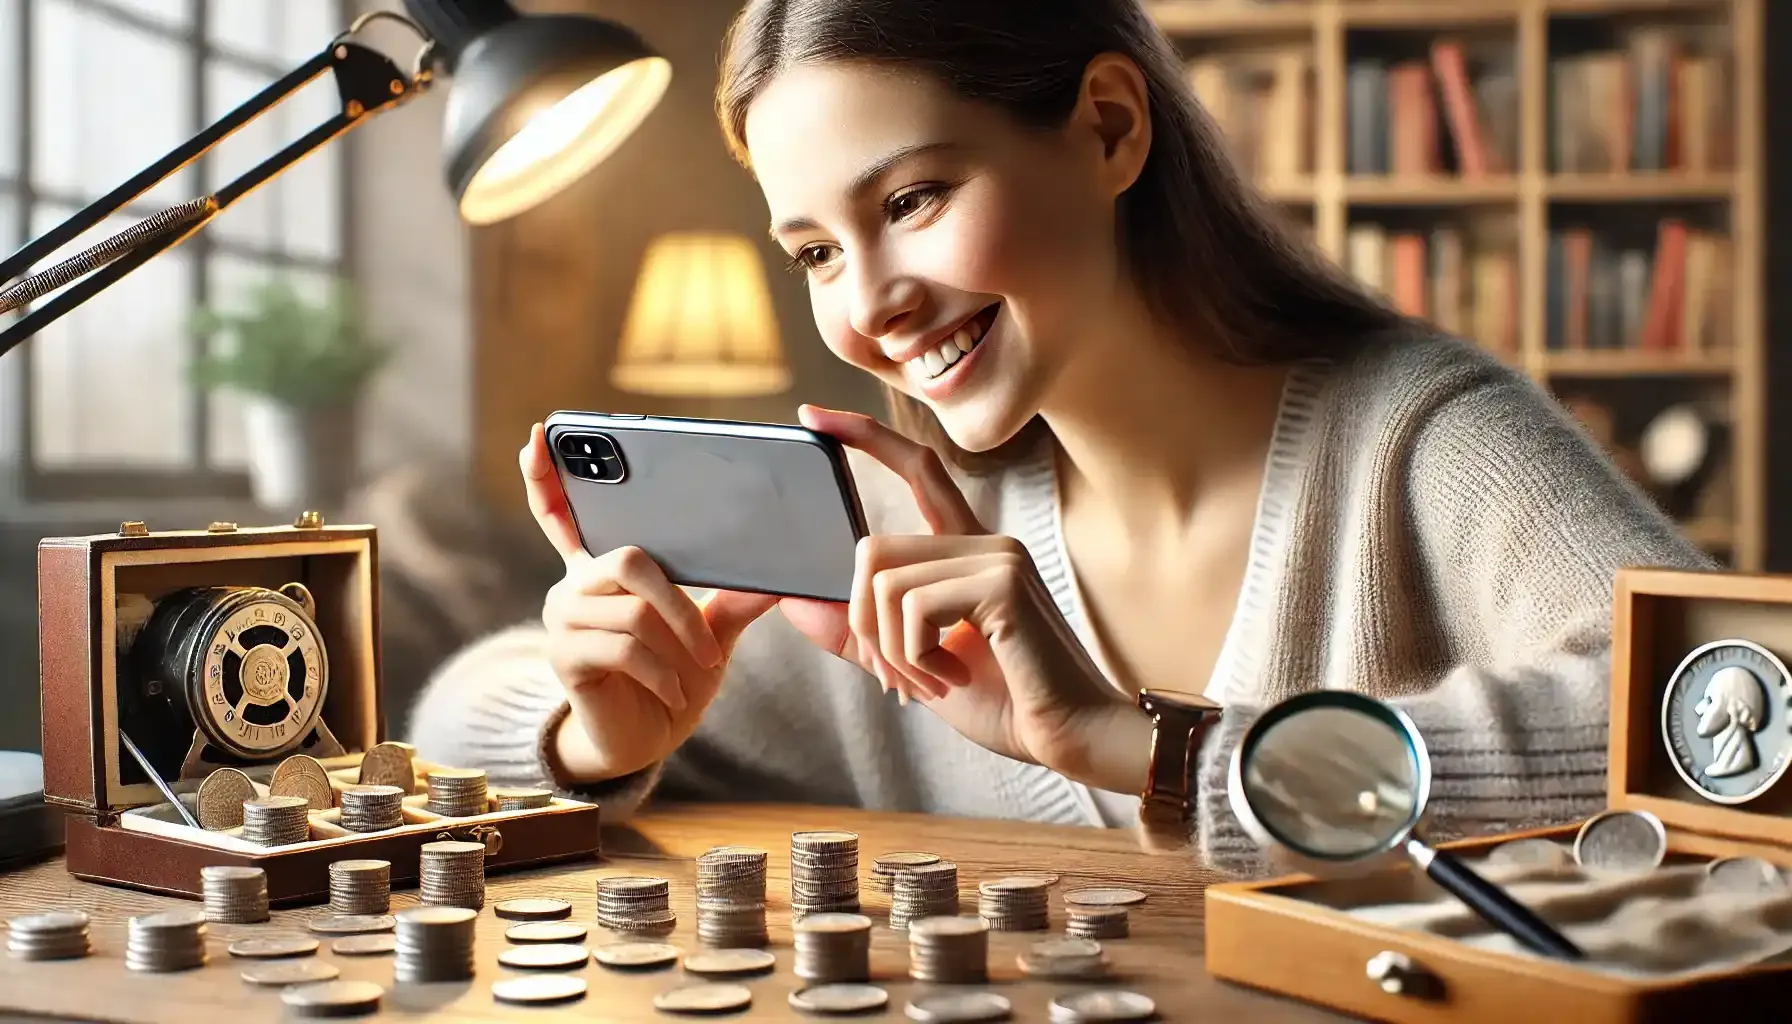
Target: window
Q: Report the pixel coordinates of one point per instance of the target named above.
(98, 405)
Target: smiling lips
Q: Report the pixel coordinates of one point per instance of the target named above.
(936, 362)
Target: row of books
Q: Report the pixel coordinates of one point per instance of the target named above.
(1464, 278)
(1673, 297)
(1456, 111)
(1263, 102)
(1662, 101)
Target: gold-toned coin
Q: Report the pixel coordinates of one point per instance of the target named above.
(280, 973)
(365, 945)
(389, 764)
(352, 924)
(221, 798)
(302, 776)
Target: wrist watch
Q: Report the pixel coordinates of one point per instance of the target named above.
(1179, 722)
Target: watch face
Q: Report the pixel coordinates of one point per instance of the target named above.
(263, 677)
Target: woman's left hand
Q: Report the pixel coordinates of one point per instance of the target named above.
(961, 620)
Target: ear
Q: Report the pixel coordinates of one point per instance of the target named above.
(1115, 104)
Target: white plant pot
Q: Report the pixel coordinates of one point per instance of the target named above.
(299, 458)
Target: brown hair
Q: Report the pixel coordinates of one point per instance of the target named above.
(1204, 248)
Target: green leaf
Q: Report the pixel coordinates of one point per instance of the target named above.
(294, 351)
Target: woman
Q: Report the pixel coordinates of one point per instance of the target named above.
(1185, 453)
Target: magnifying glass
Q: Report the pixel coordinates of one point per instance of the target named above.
(1337, 778)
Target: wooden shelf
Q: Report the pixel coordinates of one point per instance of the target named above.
(1624, 363)
(1429, 191)
(1220, 18)
(1710, 534)
(1613, 7)
(1638, 187)
(1418, 14)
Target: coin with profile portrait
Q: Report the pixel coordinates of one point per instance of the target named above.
(1726, 720)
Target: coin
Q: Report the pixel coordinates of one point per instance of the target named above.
(1724, 720)
(1104, 896)
(521, 799)
(1096, 922)
(289, 972)
(824, 873)
(838, 998)
(173, 940)
(1064, 958)
(53, 935)
(547, 931)
(365, 945)
(372, 808)
(833, 948)
(635, 903)
(925, 890)
(539, 989)
(636, 954)
(533, 909)
(277, 820)
(1621, 841)
(351, 924)
(544, 956)
(434, 944)
(952, 1007)
(233, 894)
(360, 887)
(949, 950)
(270, 946)
(707, 997)
(729, 962)
(1015, 904)
(300, 775)
(1743, 874)
(452, 874)
(1533, 852)
(456, 792)
(388, 764)
(221, 799)
(1101, 1005)
(333, 998)
(1044, 878)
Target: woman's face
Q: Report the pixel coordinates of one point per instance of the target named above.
(948, 250)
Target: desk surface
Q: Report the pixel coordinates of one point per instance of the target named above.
(1162, 958)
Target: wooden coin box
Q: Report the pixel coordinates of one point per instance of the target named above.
(121, 830)
(1330, 941)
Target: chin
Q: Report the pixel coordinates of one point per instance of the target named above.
(981, 430)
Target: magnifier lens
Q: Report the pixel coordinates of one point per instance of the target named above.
(1334, 783)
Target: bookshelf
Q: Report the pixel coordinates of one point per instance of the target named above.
(1574, 184)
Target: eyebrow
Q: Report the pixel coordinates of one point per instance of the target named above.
(864, 180)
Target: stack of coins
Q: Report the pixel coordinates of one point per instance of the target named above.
(362, 887)
(434, 944)
(277, 820)
(457, 792)
(949, 950)
(372, 808)
(57, 935)
(731, 898)
(521, 799)
(1015, 904)
(884, 869)
(1065, 959)
(1096, 922)
(632, 903)
(234, 895)
(173, 940)
(824, 873)
(452, 874)
(833, 947)
(930, 890)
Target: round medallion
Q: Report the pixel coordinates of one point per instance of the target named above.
(263, 673)
(1726, 720)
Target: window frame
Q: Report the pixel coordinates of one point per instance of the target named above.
(34, 483)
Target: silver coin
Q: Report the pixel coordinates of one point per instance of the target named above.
(839, 998)
(1743, 874)
(729, 961)
(1724, 720)
(539, 989)
(707, 997)
(290, 972)
(352, 924)
(365, 945)
(271, 946)
(1621, 841)
(545, 956)
(1104, 896)
(950, 1007)
(547, 931)
(636, 954)
(1066, 948)
(333, 998)
(1102, 1005)
(1533, 852)
(532, 909)
(1044, 878)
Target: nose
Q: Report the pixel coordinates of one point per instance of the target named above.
(883, 300)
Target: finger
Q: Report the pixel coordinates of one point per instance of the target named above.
(950, 603)
(630, 570)
(824, 624)
(861, 616)
(633, 616)
(619, 652)
(729, 612)
(942, 504)
(901, 639)
(890, 550)
(547, 499)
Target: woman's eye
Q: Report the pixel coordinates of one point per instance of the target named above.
(811, 257)
(906, 204)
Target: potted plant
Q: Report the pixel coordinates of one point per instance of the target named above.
(301, 368)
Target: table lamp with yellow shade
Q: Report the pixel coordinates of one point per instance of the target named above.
(701, 323)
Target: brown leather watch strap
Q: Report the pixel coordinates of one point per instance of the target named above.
(1179, 723)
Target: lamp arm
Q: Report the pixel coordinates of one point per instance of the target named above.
(366, 82)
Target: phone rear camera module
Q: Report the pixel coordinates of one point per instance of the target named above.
(594, 457)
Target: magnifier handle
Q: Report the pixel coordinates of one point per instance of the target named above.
(1500, 909)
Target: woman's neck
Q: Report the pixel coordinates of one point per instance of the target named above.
(1151, 430)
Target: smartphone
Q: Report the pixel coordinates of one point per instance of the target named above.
(760, 507)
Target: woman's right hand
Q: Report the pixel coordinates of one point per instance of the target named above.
(639, 658)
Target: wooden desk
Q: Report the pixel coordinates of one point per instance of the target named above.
(1162, 958)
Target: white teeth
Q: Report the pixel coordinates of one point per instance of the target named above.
(941, 358)
(949, 352)
(932, 363)
(963, 340)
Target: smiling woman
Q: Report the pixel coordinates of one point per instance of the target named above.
(1148, 442)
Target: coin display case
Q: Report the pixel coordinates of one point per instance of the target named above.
(1662, 944)
(229, 647)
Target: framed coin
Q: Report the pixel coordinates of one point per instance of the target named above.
(1726, 720)
(1621, 841)
(221, 799)
(302, 776)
